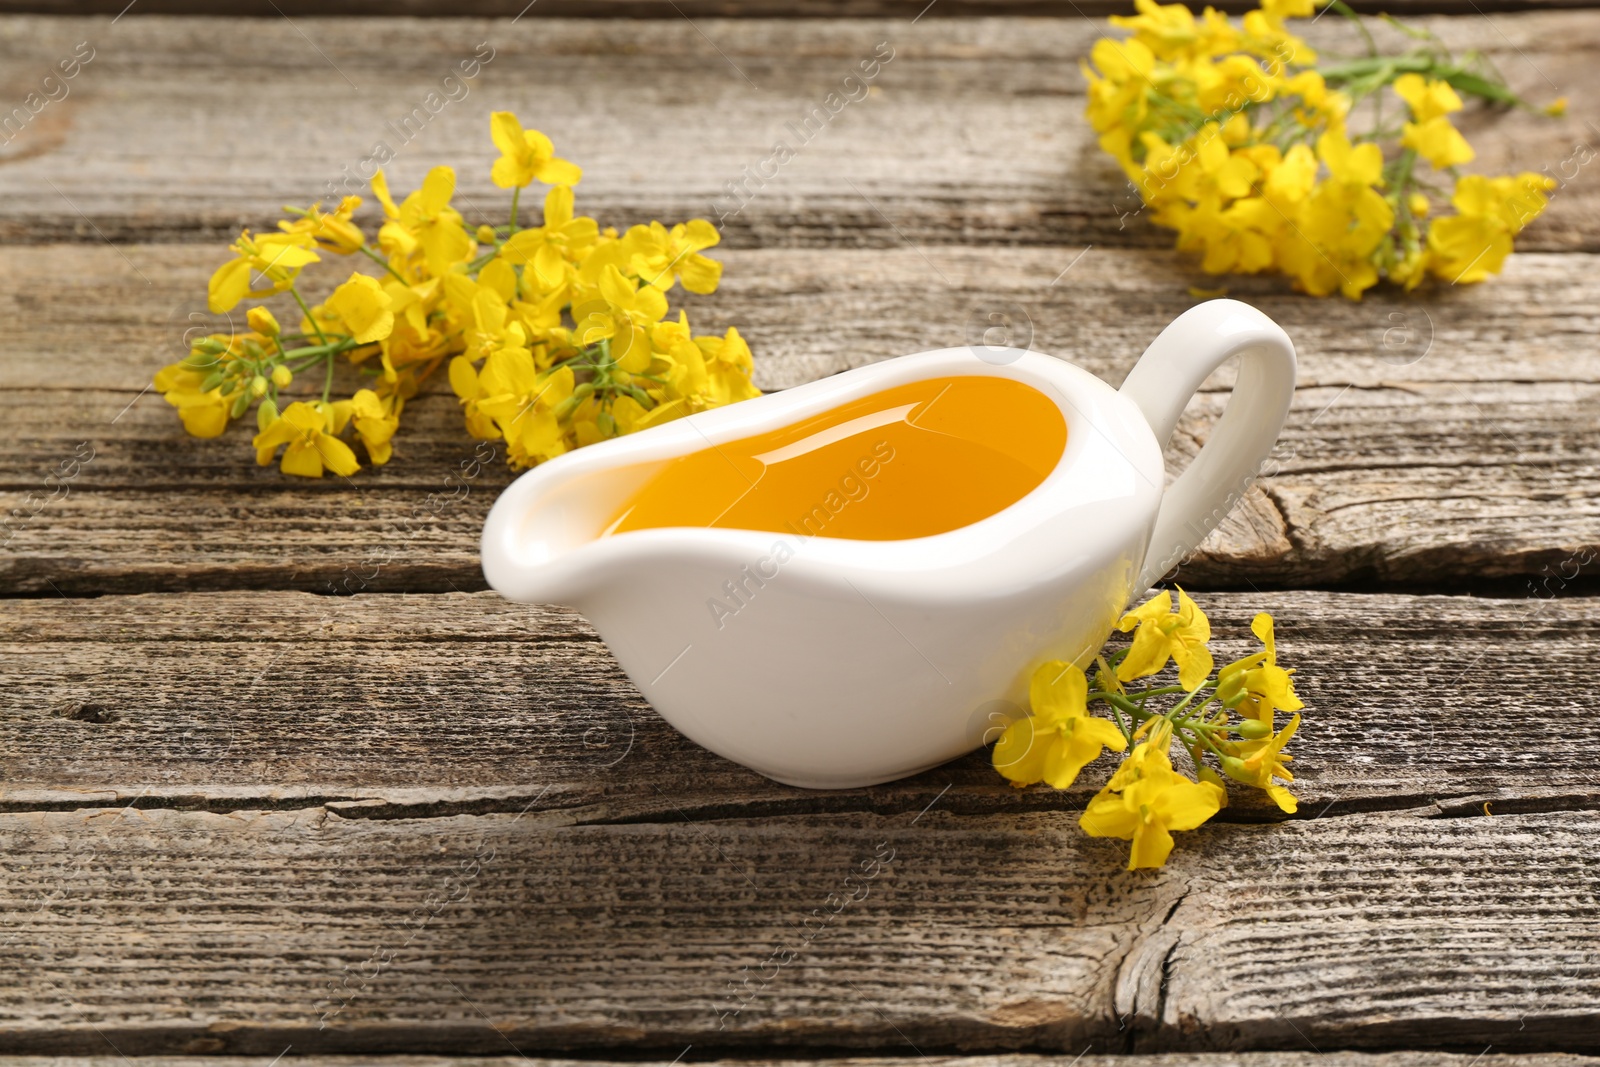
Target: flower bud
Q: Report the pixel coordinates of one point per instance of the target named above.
(281, 376)
(262, 322)
(1230, 687)
(213, 380)
(266, 415)
(258, 387)
(1252, 729)
(486, 235)
(240, 402)
(1234, 768)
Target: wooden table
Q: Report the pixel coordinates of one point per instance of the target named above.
(241, 816)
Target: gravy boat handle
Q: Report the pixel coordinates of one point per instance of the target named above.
(1161, 383)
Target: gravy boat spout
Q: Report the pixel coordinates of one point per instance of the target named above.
(832, 662)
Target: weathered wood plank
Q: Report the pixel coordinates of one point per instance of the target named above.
(394, 706)
(839, 9)
(174, 931)
(973, 133)
(1412, 1058)
(1439, 440)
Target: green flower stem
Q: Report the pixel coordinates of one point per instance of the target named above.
(1388, 67)
(331, 347)
(315, 325)
(1126, 729)
(327, 382)
(1116, 700)
(1163, 691)
(380, 261)
(1341, 8)
(1192, 720)
(516, 195)
(482, 261)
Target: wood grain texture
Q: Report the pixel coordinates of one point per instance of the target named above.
(1410, 1058)
(396, 706)
(973, 133)
(1434, 441)
(167, 931)
(786, 9)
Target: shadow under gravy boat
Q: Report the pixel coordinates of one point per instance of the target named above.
(852, 662)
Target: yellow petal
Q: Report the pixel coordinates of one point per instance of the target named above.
(559, 172)
(229, 284)
(699, 274)
(1058, 690)
(337, 455)
(506, 132)
(1016, 756)
(303, 460)
(437, 189)
(464, 378)
(1108, 816)
(1152, 844)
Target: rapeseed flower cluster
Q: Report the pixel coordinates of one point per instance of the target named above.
(1233, 136)
(553, 336)
(1225, 717)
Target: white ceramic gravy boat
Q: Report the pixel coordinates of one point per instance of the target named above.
(853, 662)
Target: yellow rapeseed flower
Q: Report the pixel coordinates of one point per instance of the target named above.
(1440, 143)
(1257, 763)
(308, 434)
(1473, 244)
(660, 256)
(1256, 685)
(332, 231)
(1146, 800)
(362, 308)
(1060, 737)
(1427, 98)
(204, 411)
(277, 257)
(626, 316)
(526, 156)
(426, 220)
(729, 366)
(554, 248)
(376, 419)
(521, 400)
(555, 336)
(1165, 635)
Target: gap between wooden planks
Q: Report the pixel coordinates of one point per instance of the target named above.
(1432, 441)
(618, 886)
(397, 706)
(972, 134)
(1088, 1059)
(163, 931)
(713, 9)
(1162, 1059)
